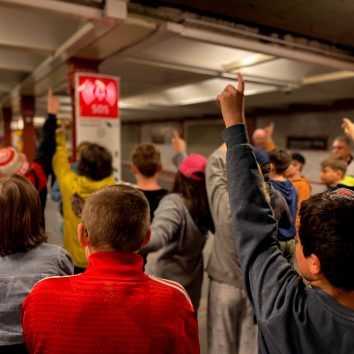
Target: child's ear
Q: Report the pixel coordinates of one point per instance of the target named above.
(82, 235)
(147, 237)
(315, 264)
(133, 168)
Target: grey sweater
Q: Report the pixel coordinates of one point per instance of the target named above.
(292, 318)
(176, 246)
(224, 263)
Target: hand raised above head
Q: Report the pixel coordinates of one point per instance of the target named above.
(348, 127)
(178, 144)
(269, 129)
(61, 128)
(52, 103)
(231, 101)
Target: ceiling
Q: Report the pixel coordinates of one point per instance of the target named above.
(173, 57)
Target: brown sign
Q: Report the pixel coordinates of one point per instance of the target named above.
(307, 142)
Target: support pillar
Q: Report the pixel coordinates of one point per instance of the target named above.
(76, 65)
(28, 135)
(7, 117)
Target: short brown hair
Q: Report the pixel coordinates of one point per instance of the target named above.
(280, 159)
(147, 159)
(336, 164)
(20, 221)
(95, 162)
(117, 216)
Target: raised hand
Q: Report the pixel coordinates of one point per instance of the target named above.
(269, 130)
(52, 103)
(177, 143)
(348, 127)
(231, 101)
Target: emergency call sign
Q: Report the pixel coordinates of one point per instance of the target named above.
(96, 114)
(97, 96)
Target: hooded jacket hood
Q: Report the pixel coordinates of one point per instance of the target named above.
(287, 189)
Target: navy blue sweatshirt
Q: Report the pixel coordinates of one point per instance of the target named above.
(292, 318)
(287, 189)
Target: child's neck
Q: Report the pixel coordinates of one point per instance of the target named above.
(147, 183)
(296, 175)
(345, 298)
(277, 177)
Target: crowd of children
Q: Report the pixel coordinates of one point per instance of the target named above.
(254, 200)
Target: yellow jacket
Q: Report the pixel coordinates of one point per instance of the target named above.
(73, 188)
(347, 181)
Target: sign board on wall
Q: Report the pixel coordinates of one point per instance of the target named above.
(307, 142)
(97, 113)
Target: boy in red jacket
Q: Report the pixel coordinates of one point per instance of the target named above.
(113, 307)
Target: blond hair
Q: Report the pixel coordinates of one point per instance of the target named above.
(117, 216)
(336, 164)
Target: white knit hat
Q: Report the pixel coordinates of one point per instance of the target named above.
(12, 162)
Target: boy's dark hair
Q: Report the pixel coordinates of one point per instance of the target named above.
(326, 230)
(20, 221)
(296, 156)
(117, 216)
(95, 162)
(280, 159)
(147, 159)
(335, 164)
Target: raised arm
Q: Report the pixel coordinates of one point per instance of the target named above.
(167, 220)
(269, 143)
(216, 185)
(61, 165)
(265, 270)
(47, 144)
(179, 147)
(348, 127)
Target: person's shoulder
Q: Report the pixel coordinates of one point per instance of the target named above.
(173, 198)
(171, 290)
(53, 283)
(290, 185)
(50, 250)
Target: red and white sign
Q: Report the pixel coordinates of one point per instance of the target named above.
(97, 114)
(98, 96)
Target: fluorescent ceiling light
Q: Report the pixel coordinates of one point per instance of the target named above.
(204, 91)
(249, 60)
(333, 76)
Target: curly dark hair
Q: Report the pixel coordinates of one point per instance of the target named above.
(326, 230)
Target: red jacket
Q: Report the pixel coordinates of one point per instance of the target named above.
(113, 307)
